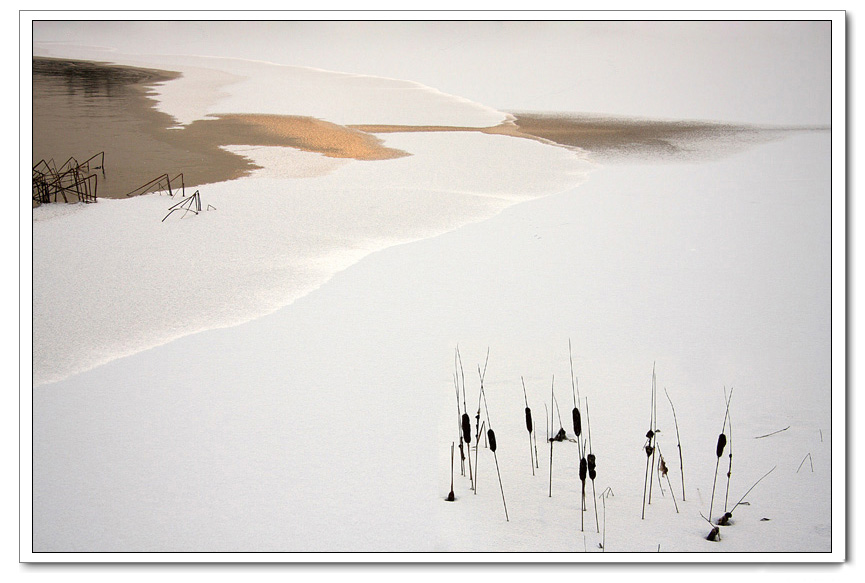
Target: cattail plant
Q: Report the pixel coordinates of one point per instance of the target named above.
(578, 426)
(591, 463)
(649, 449)
(679, 444)
(654, 423)
(465, 421)
(491, 436)
(529, 425)
(584, 467)
(535, 442)
(549, 436)
(719, 451)
(578, 430)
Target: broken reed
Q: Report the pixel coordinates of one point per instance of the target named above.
(578, 428)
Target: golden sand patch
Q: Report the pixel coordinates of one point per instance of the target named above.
(304, 133)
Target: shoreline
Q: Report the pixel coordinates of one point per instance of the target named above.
(142, 143)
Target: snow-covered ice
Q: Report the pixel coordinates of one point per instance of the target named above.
(277, 374)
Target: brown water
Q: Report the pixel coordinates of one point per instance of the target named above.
(82, 108)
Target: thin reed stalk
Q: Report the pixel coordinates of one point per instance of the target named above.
(549, 437)
(730, 452)
(678, 443)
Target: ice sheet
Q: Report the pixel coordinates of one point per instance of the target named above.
(128, 281)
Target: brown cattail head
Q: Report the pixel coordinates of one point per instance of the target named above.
(578, 425)
(529, 419)
(491, 436)
(650, 434)
(725, 520)
(649, 450)
(722, 442)
(662, 467)
(467, 428)
(583, 467)
(590, 460)
(451, 497)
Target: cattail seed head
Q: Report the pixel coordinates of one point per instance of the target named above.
(650, 434)
(491, 436)
(649, 450)
(467, 428)
(529, 419)
(578, 425)
(590, 460)
(722, 442)
(583, 466)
